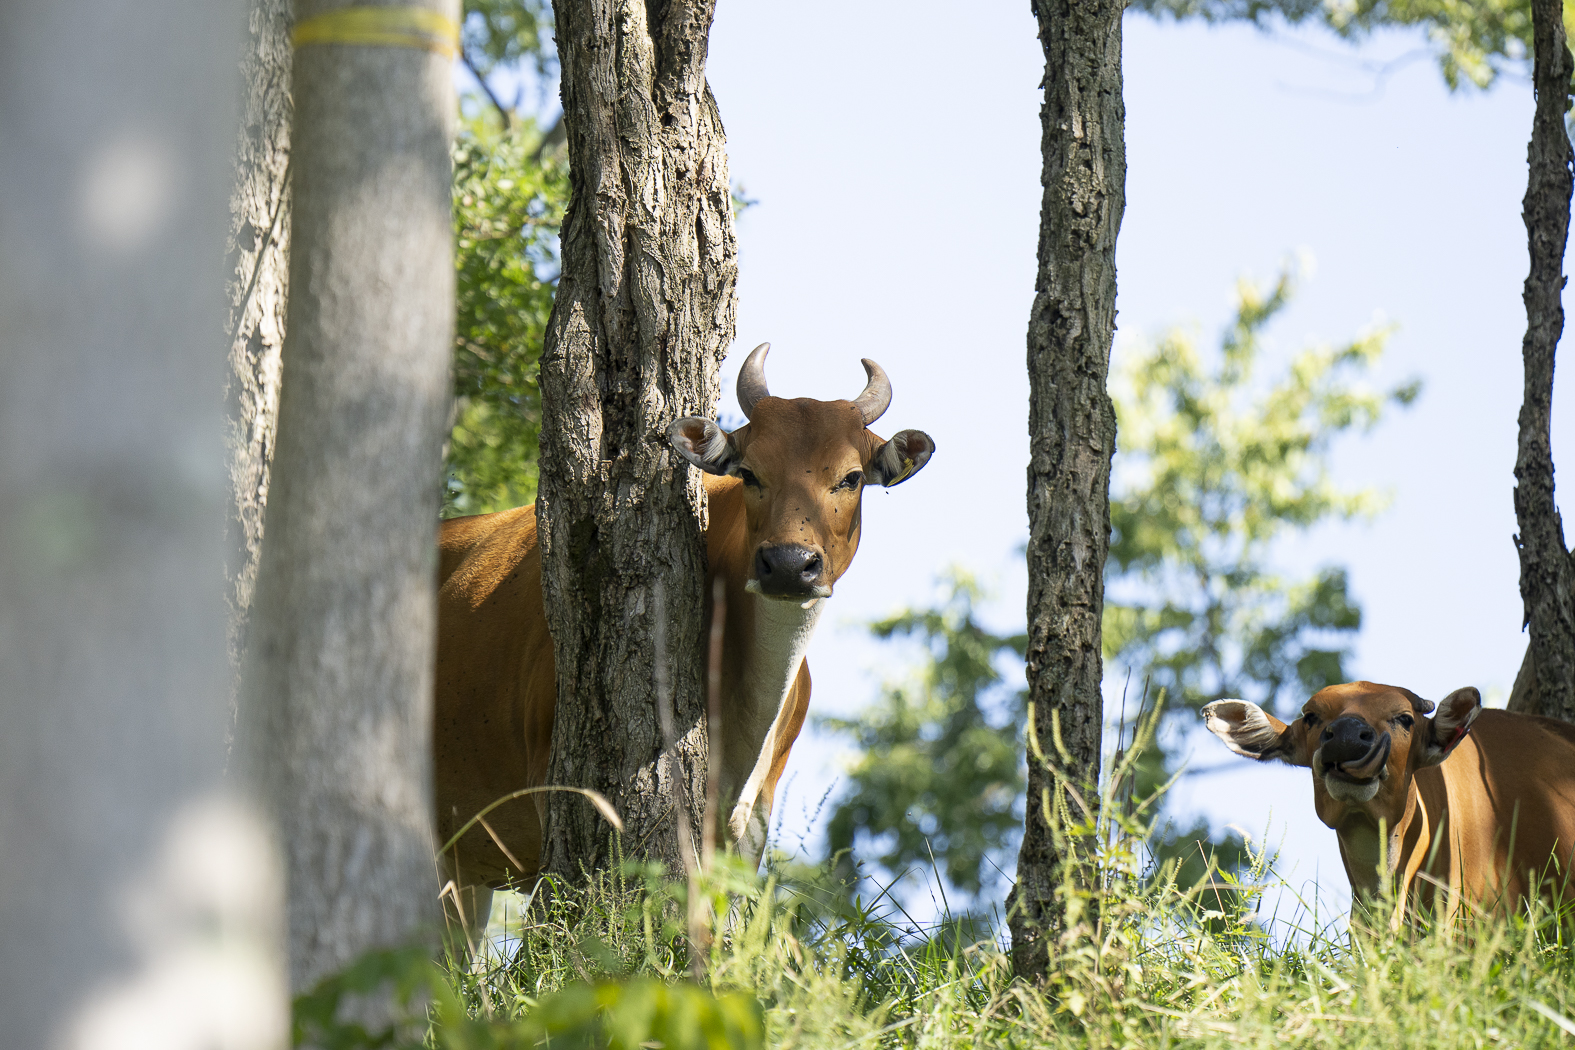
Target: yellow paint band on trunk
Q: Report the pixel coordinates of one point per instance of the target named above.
(414, 27)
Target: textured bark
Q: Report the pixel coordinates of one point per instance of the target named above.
(1524, 696)
(131, 878)
(339, 665)
(1072, 429)
(643, 316)
(1547, 581)
(259, 246)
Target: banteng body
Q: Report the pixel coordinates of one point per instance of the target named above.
(1467, 807)
(785, 494)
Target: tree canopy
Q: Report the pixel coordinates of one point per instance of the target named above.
(1473, 42)
(940, 768)
(1218, 462)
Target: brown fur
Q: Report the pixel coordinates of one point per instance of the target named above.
(495, 682)
(1482, 820)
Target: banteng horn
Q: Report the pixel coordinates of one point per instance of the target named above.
(877, 393)
(751, 385)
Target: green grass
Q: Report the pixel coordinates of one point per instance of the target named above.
(788, 960)
(1144, 962)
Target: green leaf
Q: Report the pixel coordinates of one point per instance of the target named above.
(509, 200)
(645, 1013)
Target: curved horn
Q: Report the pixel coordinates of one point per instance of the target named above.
(751, 385)
(876, 398)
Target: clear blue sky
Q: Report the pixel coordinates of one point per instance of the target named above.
(894, 150)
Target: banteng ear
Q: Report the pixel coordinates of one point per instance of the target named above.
(1418, 704)
(1252, 732)
(1442, 733)
(704, 444)
(900, 458)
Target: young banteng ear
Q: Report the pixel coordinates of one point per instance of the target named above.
(900, 458)
(1252, 732)
(1444, 731)
(704, 444)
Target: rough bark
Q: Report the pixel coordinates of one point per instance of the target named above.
(131, 878)
(1547, 579)
(259, 246)
(1072, 429)
(643, 316)
(1523, 696)
(339, 665)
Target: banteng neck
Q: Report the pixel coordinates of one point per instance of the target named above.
(756, 715)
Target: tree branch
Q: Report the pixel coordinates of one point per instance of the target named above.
(464, 55)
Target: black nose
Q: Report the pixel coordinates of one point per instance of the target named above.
(1346, 740)
(789, 569)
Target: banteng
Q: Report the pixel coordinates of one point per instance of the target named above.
(1468, 807)
(785, 493)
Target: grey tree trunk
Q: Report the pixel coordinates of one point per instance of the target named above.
(1072, 432)
(131, 875)
(339, 666)
(259, 253)
(643, 316)
(1547, 580)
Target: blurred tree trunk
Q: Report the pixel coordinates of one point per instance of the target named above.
(259, 254)
(339, 666)
(1546, 684)
(643, 316)
(1072, 431)
(129, 866)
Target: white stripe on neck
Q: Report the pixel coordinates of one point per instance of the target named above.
(755, 717)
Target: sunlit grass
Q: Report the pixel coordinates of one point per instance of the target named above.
(1143, 962)
(791, 959)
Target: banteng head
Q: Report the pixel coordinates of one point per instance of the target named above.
(1362, 741)
(804, 465)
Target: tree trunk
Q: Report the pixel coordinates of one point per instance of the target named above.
(1072, 430)
(643, 316)
(131, 877)
(259, 254)
(339, 666)
(1547, 581)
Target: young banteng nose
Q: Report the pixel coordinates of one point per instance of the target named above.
(1346, 740)
(1354, 748)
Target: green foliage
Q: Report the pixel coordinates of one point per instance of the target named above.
(326, 1017)
(616, 1015)
(1215, 466)
(1474, 40)
(509, 199)
(820, 969)
(510, 190)
(1216, 463)
(939, 777)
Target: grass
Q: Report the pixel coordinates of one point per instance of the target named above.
(790, 961)
(1144, 962)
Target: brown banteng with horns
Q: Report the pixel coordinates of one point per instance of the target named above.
(785, 493)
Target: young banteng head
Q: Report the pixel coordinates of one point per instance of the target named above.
(1363, 742)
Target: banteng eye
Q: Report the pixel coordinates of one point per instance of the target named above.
(1406, 720)
(747, 476)
(1310, 718)
(852, 481)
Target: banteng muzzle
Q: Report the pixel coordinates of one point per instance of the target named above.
(1353, 749)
